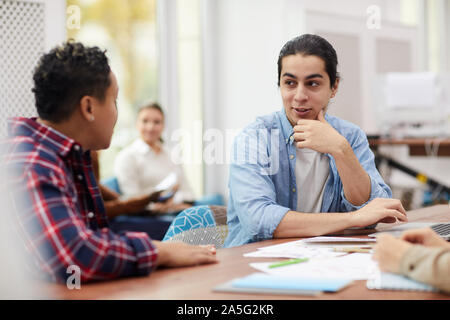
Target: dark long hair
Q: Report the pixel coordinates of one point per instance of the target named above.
(312, 45)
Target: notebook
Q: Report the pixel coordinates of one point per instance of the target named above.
(274, 284)
(391, 281)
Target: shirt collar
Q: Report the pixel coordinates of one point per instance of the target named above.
(55, 140)
(286, 127)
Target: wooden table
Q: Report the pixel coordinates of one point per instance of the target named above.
(197, 282)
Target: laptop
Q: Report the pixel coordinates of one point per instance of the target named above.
(441, 228)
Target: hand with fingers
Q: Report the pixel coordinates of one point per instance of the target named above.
(179, 254)
(389, 251)
(425, 236)
(380, 210)
(318, 135)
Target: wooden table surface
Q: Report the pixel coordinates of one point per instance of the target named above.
(198, 282)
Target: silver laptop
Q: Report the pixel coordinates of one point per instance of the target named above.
(441, 228)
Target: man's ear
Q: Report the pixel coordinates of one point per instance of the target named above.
(87, 108)
(335, 87)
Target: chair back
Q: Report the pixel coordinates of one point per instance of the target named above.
(200, 225)
(112, 183)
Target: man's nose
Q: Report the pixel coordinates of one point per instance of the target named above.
(300, 94)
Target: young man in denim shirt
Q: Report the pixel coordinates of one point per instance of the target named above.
(300, 160)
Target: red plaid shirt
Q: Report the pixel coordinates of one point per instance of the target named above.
(60, 209)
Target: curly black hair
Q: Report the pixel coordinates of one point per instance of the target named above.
(66, 74)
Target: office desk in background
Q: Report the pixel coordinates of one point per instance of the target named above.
(197, 282)
(417, 147)
(432, 147)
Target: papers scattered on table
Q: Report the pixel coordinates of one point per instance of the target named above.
(355, 266)
(317, 247)
(296, 249)
(323, 260)
(337, 240)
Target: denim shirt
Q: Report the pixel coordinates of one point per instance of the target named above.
(262, 180)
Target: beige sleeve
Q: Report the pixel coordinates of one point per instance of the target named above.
(428, 264)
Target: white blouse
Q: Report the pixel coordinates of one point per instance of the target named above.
(139, 170)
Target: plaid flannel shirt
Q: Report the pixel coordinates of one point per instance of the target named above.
(60, 211)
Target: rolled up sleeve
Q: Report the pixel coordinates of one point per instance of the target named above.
(429, 265)
(253, 212)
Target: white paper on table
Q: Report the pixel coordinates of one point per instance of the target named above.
(300, 252)
(293, 249)
(337, 239)
(317, 247)
(355, 266)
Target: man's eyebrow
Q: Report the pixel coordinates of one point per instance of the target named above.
(290, 75)
(315, 75)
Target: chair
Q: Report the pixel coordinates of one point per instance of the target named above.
(200, 225)
(112, 183)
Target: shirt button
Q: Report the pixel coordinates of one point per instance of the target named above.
(80, 177)
(293, 189)
(76, 147)
(90, 215)
(291, 156)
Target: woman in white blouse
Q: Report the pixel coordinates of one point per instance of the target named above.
(141, 166)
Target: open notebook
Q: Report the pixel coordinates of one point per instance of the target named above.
(391, 281)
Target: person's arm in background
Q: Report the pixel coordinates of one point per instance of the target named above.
(419, 254)
(114, 206)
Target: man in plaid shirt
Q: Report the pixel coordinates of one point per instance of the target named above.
(51, 184)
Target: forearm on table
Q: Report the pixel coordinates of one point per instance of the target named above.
(298, 224)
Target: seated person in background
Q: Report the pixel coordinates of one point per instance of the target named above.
(131, 214)
(301, 160)
(419, 254)
(141, 166)
(50, 180)
(114, 206)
